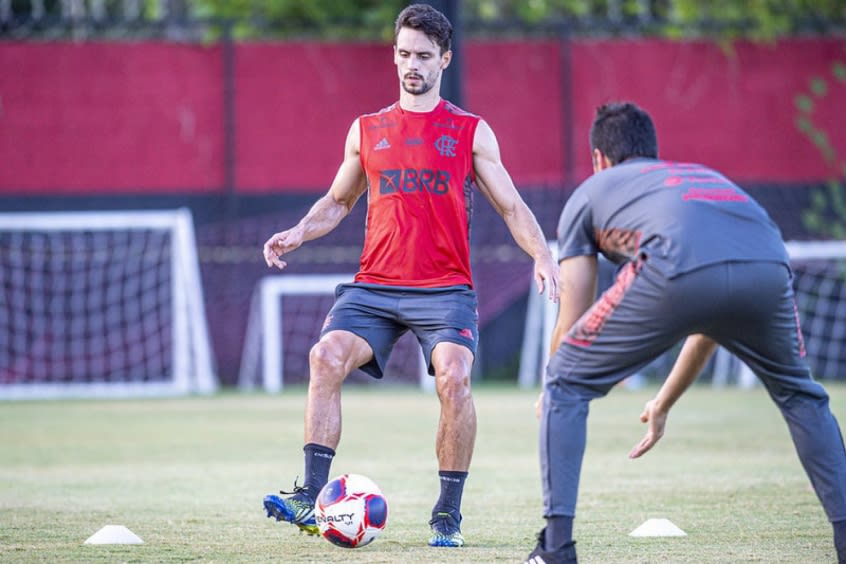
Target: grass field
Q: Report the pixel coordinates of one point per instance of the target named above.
(188, 476)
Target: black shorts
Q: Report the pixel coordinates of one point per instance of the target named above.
(382, 314)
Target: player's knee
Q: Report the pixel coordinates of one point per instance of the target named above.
(453, 381)
(326, 360)
(562, 392)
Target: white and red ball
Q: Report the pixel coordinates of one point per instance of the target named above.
(351, 511)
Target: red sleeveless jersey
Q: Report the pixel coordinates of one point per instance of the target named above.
(420, 175)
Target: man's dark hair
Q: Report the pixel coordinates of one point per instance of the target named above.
(425, 18)
(622, 130)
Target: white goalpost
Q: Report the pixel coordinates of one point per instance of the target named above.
(101, 304)
(541, 314)
(819, 269)
(286, 314)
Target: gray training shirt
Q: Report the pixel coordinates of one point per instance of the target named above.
(680, 216)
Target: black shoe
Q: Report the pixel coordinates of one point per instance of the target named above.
(564, 555)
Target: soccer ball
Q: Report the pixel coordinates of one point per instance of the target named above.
(351, 511)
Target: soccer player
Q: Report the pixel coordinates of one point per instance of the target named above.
(418, 161)
(698, 259)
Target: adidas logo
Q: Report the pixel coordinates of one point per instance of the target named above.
(383, 144)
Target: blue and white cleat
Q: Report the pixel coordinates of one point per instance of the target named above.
(446, 531)
(297, 509)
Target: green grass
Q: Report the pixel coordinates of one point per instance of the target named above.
(188, 476)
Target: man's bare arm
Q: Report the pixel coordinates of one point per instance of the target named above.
(349, 184)
(577, 277)
(496, 184)
(696, 351)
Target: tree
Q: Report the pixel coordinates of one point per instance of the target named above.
(826, 215)
(324, 19)
(373, 19)
(723, 19)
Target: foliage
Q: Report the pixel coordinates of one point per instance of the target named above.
(753, 19)
(373, 19)
(326, 19)
(826, 215)
(723, 20)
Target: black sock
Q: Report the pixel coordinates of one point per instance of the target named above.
(559, 532)
(840, 540)
(318, 461)
(452, 488)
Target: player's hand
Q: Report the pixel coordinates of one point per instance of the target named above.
(279, 244)
(539, 405)
(657, 420)
(546, 277)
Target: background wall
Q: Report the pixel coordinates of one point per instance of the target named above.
(149, 117)
(249, 134)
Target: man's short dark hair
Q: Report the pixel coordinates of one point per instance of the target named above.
(425, 18)
(622, 130)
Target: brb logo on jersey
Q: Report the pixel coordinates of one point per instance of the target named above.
(413, 180)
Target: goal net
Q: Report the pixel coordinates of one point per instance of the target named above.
(101, 304)
(286, 315)
(819, 269)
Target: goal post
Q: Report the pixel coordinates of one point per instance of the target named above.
(819, 280)
(102, 304)
(286, 314)
(541, 314)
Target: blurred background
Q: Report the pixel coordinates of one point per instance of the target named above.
(237, 110)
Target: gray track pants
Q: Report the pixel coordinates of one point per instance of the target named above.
(748, 307)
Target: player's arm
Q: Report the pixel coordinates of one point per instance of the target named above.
(349, 184)
(695, 352)
(577, 280)
(496, 184)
